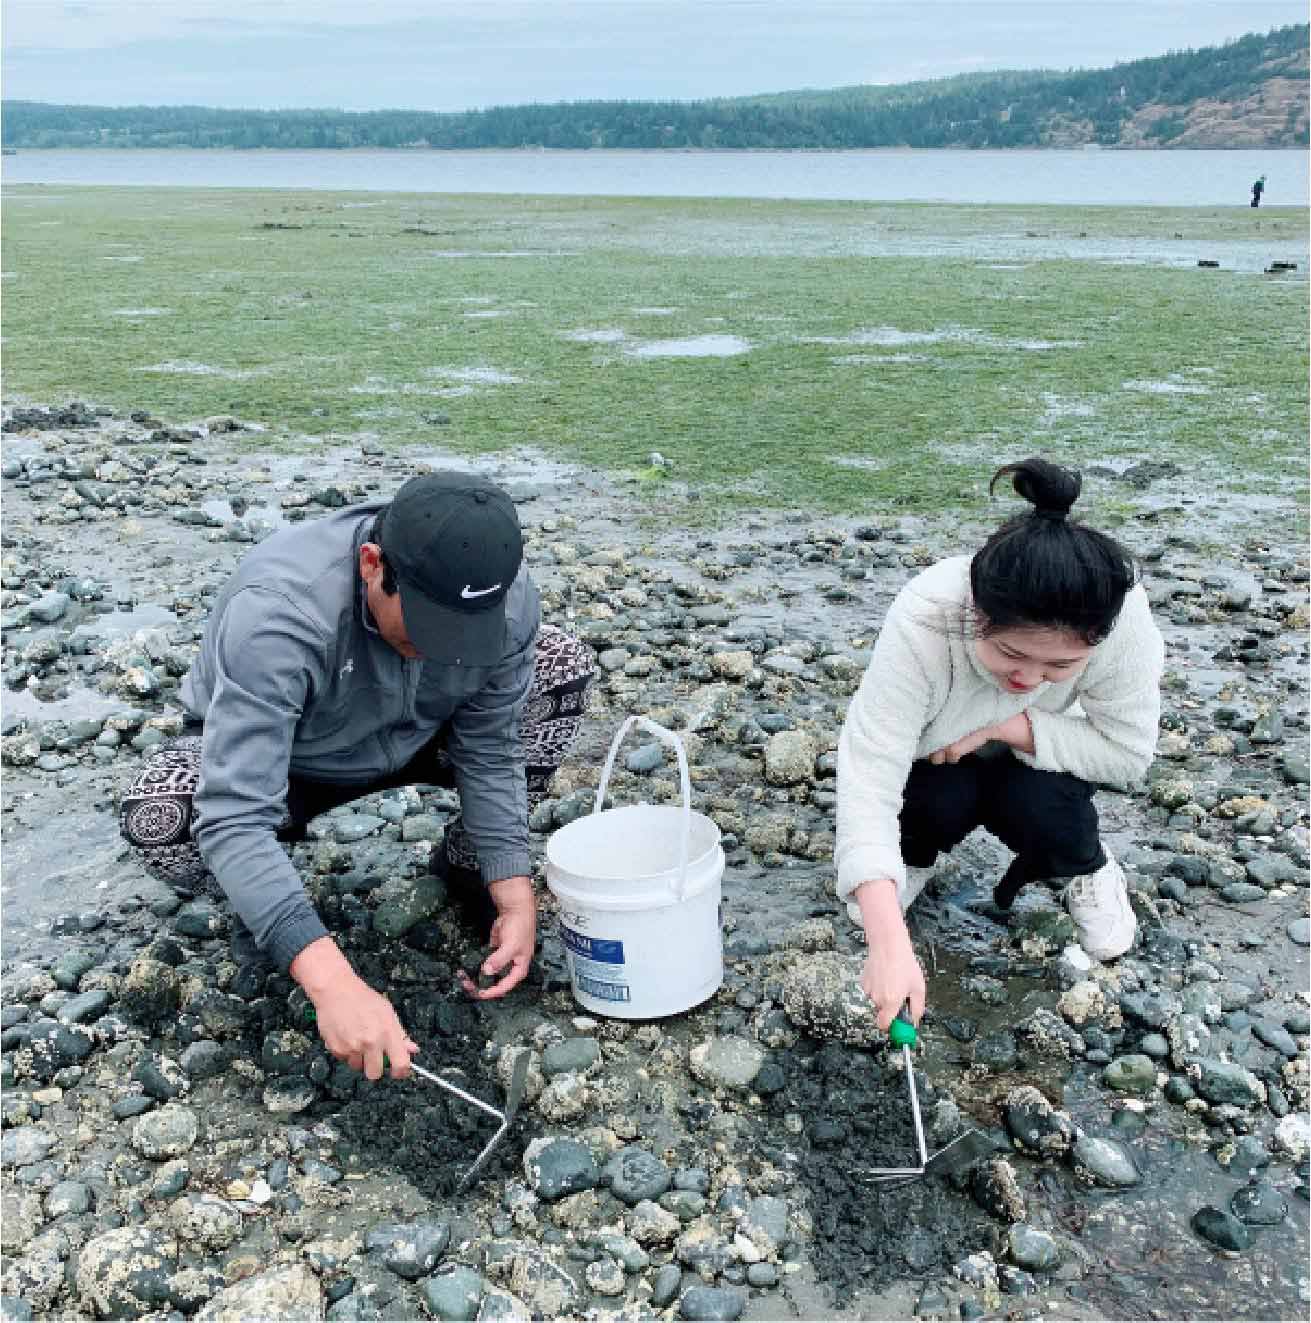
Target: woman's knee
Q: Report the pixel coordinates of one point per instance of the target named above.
(940, 807)
(1048, 817)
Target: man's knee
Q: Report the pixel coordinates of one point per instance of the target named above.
(564, 664)
(155, 812)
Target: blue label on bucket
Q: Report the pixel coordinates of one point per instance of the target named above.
(604, 950)
(603, 991)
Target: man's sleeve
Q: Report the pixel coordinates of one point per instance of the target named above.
(265, 658)
(488, 762)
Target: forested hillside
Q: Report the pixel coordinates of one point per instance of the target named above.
(1250, 92)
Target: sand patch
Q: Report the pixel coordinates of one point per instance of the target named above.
(186, 368)
(862, 360)
(475, 376)
(891, 336)
(609, 335)
(506, 252)
(1058, 406)
(1167, 387)
(858, 462)
(381, 386)
(698, 346)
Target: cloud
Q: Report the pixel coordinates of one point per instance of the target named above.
(457, 54)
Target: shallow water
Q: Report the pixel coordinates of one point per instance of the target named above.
(1081, 177)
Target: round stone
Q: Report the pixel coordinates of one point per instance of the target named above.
(1259, 1205)
(1032, 1249)
(453, 1294)
(1134, 1074)
(1222, 1229)
(711, 1302)
(557, 1167)
(166, 1133)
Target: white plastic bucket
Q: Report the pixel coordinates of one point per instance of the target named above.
(639, 891)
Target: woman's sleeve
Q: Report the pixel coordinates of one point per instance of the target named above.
(879, 738)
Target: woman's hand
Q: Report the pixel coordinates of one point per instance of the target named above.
(1015, 731)
(892, 976)
(962, 747)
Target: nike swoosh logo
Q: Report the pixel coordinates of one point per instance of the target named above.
(468, 590)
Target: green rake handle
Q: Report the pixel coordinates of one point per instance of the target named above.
(901, 1033)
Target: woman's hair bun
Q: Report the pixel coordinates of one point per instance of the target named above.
(1048, 487)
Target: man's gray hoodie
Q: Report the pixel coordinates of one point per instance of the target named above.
(293, 679)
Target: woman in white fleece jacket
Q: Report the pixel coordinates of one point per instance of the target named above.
(1003, 689)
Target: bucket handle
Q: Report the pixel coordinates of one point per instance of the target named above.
(671, 739)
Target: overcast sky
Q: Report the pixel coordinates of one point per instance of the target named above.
(457, 54)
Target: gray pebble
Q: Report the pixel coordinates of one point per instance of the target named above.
(571, 1055)
(1221, 1229)
(1105, 1162)
(1259, 1204)
(1032, 1249)
(23, 1146)
(1134, 1074)
(204, 1059)
(559, 1167)
(1275, 1036)
(646, 758)
(85, 1008)
(1249, 1156)
(633, 1174)
(711, 1302)
(666, 1284)
(68, 1197)
(453, 1294)
(412, 1249)
(355, 827)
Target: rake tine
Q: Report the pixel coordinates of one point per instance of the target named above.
(505, 1117)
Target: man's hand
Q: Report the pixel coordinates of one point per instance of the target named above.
(892, 975)
(358, 1025)
(514, 937)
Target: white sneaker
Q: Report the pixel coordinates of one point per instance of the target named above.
(1099, 905)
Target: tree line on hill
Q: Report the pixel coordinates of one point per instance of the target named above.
(1003, 109)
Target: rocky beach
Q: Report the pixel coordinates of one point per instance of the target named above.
(176, 1142)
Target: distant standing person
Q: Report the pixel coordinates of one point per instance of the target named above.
(1257, 189)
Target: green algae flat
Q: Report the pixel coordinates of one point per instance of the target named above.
(841, 356)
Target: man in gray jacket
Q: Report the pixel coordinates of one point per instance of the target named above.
(368, 649)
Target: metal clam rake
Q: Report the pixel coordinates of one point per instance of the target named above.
(962, 1151)
(514, 1096)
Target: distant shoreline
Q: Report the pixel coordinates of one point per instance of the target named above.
(222, 149)
(1073, 177)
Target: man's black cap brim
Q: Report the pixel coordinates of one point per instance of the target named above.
(453, 638)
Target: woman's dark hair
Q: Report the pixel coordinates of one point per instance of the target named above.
(1044, 569)
(389, 584)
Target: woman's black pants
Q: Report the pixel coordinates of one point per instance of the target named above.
(1046, 818)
